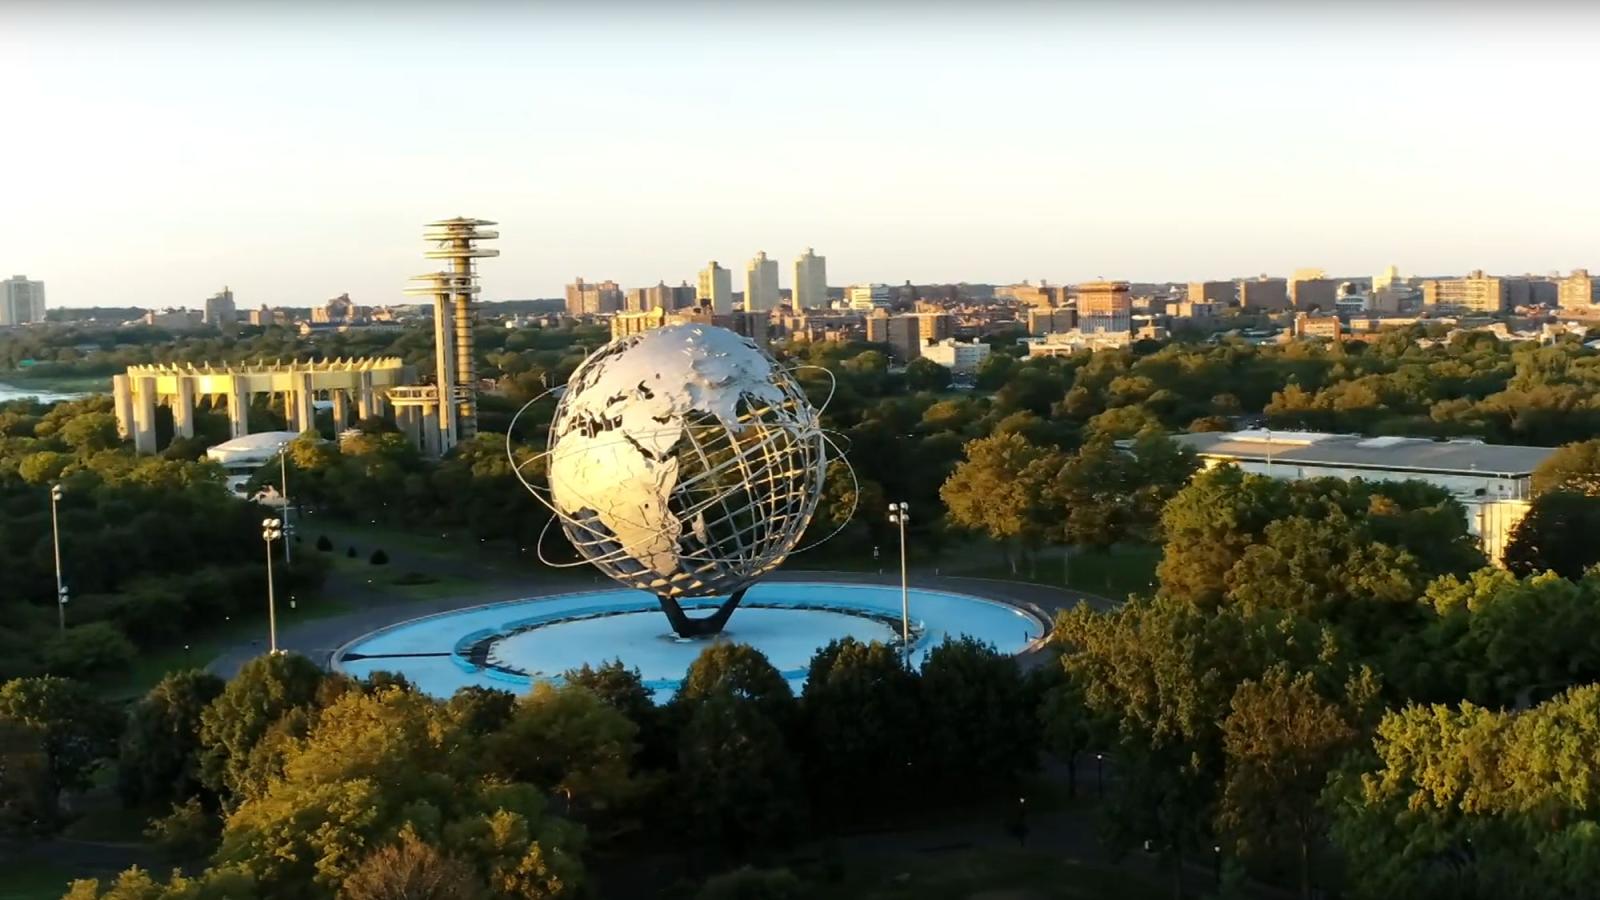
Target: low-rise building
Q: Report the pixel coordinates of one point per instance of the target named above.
(959, 358)
(867, 297)
(1043, 320)
(1492, 481)
(1327, 328)
(903, 334)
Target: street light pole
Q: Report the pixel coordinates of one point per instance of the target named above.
(283, 479)
(55, 536)
(271, 530)
(899, 513)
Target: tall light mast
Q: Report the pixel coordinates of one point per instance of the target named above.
(454, 317)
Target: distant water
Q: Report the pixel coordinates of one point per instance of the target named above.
(8, 392)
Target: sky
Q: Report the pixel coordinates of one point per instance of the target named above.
(292, 151)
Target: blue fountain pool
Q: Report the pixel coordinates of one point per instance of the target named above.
(509, 645)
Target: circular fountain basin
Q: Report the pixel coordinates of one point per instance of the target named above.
(511, 645)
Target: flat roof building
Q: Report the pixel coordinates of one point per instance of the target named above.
(1492, 481)
(1578, 291)
(1475, 293)
(810, 281)
(1268, 294)
(1104, 306)
(959, 358)
(715, 289)
(21, 301)
(761, 284)
(586, 298)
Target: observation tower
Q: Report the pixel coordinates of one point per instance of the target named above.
(451, 406)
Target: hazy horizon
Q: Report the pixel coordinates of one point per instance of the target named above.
(293, 153)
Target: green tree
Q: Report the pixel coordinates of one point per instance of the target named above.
(78, 729)
(570, 742)
(978, 721)
(1282, 737)
(1555, 535)
(738, 784)
(272, 694)
(27, 790)
(741, 671)
(926, 375)
(998, 490)
(1574, 467)
(863, 722)
(159, 757)
(411, 869)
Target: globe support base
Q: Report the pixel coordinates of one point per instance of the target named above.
(686, 627)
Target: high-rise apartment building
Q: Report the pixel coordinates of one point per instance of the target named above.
(586, 298)
(761, 284)
(1269, 294)
(810, 281)
(1578, 291)
(1105, 306)
(1475, 293)
(219, 309)
(715, 289)
(23, 301)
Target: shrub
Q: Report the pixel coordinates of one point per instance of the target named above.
(379, 558)
(324, 545)
(88, 650)
(186, 833)
(350, 553)
(752, 884)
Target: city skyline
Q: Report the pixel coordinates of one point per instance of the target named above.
(1157, 144)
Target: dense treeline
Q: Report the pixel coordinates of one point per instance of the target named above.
(294, 783)
(1328, 688)
(151, 546)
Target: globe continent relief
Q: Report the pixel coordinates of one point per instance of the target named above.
(684, 461)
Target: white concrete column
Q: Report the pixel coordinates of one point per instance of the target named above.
(429, 445)
(364, 397)
(122, 399)
(183, 408)
(305, 412)
(407, 419)
(144, 415)
(238, 408)
(341, 410)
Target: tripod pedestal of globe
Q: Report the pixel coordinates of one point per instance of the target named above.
(686, 627)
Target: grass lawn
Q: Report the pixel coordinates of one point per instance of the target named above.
(1124, 569)
(1000, 874)
(61, 384)
(26, 879)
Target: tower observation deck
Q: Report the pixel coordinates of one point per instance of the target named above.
(452, 407)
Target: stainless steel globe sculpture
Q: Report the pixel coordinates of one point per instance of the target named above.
(686, 462)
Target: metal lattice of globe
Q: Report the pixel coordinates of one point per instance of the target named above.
(686, 462)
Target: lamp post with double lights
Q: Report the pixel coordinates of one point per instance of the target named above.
(899, 514)
(55, 536)
(283, 481)
(271, 530)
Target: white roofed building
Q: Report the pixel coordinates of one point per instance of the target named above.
(1492, 481)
